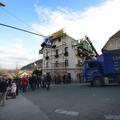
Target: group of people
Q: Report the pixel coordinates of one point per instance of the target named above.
(37, 81)
(58, 79)
(8, 87)
(11, 87)
(33, 82)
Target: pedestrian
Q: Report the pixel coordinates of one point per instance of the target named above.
(43, 81)
(32, 82)
(17, 81)
(13, 89)
(3, 90)
(24, 83)
(69, 78)
(64, 78)
(55, 79)
(9, 82)
(38, 81)
(48, 81)
(58, 79)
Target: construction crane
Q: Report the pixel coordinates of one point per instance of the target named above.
(89, 41)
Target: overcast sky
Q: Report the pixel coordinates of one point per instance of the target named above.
(99, 19)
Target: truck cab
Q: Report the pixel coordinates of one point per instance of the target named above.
(92, 72)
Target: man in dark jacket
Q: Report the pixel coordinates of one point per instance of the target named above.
(32, 82)
(3, 90)
(48, 81)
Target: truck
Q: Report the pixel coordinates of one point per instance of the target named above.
(104, 70)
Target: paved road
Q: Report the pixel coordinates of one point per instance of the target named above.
(71, 102)
(21, 109)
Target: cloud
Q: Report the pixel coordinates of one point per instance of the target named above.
(15, 54)
(98, 22)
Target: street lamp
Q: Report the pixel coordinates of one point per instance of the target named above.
(2, 4)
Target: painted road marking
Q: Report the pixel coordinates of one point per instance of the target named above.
(112, 117)
(72, 113)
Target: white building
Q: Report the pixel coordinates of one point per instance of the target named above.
(61, 56)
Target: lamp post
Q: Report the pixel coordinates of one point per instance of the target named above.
(2, 4)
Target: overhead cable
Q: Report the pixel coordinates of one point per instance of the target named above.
(17, 18)
(21, 29)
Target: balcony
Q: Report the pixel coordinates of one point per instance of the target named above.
(56, 56)
(59, 65)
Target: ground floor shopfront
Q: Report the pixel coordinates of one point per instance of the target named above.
(70, 74)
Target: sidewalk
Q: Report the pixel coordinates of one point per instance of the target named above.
(21, 109)
(71, 84)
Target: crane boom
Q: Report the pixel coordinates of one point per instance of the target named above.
(89, 41)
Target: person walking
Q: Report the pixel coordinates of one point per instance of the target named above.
(32, 82)
(43, 81)
(24, 83)
(13, 89)
(3, 90)
(38, 81)
(48, 81)
(17, 81)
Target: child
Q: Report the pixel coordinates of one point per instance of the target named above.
(13, 90)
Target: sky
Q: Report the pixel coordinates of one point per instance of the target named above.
(98, 19)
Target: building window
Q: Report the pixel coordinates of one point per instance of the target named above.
(56, 51)
(56, 64)
(79, 63)
(66, 51)
(56, 55)
(79, 77)
(47, 65)
(66, 63)
(59, 39)
(118, 44)
(46, 53)
(47, 57)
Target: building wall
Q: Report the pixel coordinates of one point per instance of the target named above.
(72, 57)
(66, 41)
